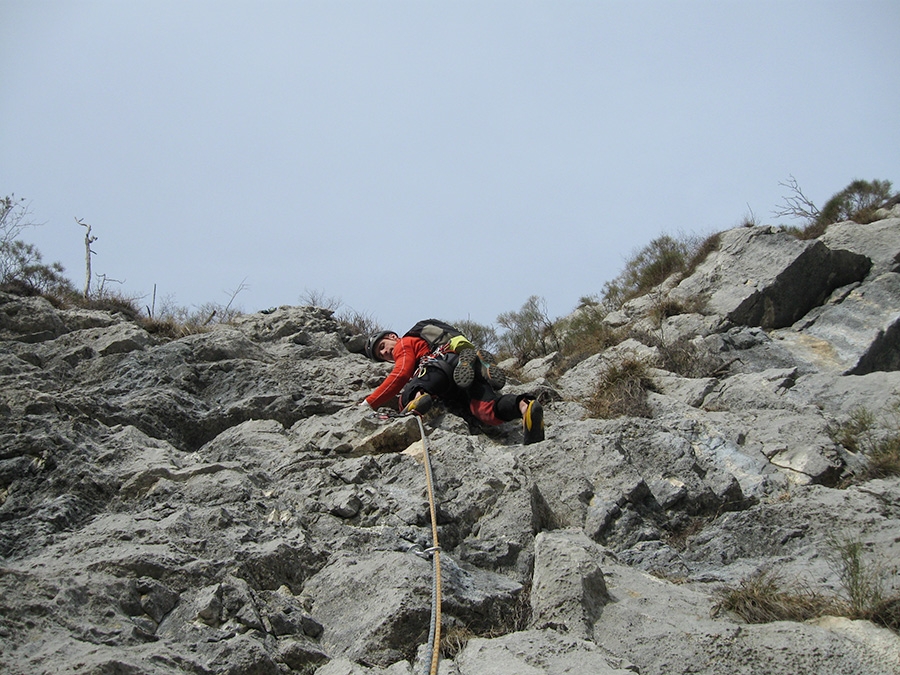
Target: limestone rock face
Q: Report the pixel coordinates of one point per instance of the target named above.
(878, 241)
(762, 277)
(220, 504)
(859, 333)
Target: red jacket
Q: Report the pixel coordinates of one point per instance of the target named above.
(408, 352)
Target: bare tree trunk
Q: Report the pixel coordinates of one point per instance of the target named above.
(88, 240)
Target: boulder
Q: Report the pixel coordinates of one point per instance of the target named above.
(763, 277)
(29, 320)
(538, 368)
(856, 334)
(581, 381)
(373, 606)
(568, 591)
(879, 241)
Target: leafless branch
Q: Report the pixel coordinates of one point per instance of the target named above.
(15, 216)
(796, 204)
(241, 287)
(103, 279)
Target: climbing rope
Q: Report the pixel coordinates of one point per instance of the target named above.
(434, 633)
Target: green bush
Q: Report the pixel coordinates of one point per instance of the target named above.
(479, 334)
(857, 202)
(654, 263)
(584, 333)
(664, 307)
(682, 356)
(647, 268)
(22, 269)
(358, 323)
(701, 250)
(174, 321)
(530, 333)
(115, 303)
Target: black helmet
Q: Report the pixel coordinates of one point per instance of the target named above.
(373, 341)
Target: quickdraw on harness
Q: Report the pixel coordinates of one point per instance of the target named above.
(437, 354)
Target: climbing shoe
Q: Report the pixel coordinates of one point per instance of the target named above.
(533, 423)
(490, 372)
(464, 372)
(480, 362)
(420, 405)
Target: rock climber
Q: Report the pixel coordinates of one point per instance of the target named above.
(433, 360)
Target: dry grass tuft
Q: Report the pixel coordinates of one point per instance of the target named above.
(763, 598)
(887, 613)
(496, 621)
(622, 391)
(454, 639)
(878, 439)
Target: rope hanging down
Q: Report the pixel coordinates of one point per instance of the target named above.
(434, 633)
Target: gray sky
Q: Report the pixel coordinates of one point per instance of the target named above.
(423, 158)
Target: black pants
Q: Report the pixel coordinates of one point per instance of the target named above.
(479, 400)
